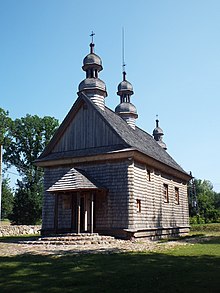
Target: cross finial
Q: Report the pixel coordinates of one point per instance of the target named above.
(157, 121)
(92, 44)
(92, 35)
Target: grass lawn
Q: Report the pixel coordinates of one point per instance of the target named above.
(190, 268)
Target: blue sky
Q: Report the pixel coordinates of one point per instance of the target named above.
(172, 59)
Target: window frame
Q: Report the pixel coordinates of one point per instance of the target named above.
(148, 175)
(177, 195)
(138, 205)
(166, 193)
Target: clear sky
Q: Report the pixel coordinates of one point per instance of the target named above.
(172, 56)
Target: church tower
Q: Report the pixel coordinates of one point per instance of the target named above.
(126, 110)
(157, 134)
(92, 86)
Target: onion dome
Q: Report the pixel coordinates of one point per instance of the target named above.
(157, 134)
(125, 87)
(158, 131)
(90, 83)
(126, 110)
(92, 86)
(92, 60)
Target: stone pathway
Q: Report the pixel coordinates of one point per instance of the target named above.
(114, 246)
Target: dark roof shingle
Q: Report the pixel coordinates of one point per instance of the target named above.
(74, 180)
(136, 138)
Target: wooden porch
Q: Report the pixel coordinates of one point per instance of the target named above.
(74, 209)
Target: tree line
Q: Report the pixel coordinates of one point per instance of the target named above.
(25, 138)
(204, 202)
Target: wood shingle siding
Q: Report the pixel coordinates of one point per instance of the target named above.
(154, 211)
(111, 209)
(84, 132)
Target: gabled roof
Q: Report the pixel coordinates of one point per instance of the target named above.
(75, 180)
(140, 140)
(137, 139)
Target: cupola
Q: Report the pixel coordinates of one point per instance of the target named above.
(157, 134)
(126, 110)
(92, 86)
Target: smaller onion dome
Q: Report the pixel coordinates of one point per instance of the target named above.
(126, 108)
(157, 134)
(157, 131)
(125, 87)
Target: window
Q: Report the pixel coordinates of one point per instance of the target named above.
(66, 202)
(138, 205)
(148, 175)
(177, 195)
(165, 193)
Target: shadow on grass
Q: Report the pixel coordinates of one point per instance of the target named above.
(195, 238)
(16, 239)
(126, 272)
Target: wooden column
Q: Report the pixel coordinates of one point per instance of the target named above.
(72, 212)
(56, 213)
(92, 214)
(78, 213)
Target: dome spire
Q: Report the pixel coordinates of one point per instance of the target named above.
(123, 55)
(92, 45)
(92, 86)
(126, 110)
(158, 133)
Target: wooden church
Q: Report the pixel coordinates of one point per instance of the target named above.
(104, 174)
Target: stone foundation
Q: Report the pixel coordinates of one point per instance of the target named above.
(15, 230)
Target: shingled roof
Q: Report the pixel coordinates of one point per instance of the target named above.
(135, 139)
(75, 180)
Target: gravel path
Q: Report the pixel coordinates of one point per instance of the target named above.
(117, 246)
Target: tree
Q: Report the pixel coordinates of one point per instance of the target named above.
(27, 137)
(27, 204)
(7, 199)
(4, 125)
(5, 122)
(207, 201)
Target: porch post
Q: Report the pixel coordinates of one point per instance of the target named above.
(78, 213)
(56, 213)
(92, 214)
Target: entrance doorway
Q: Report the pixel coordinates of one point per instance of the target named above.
(75, 212)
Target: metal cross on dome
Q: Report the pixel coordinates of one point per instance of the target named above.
(92, 34)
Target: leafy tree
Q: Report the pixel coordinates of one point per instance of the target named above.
(5, 122)
(27, 137)
(7, 199)
(207, 201)
(27, 204)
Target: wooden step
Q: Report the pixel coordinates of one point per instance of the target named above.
(72, 239)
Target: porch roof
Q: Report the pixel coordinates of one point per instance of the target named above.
(75, 180)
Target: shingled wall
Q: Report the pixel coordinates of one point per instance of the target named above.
(127, 182)
(111, 209)
(154, 212)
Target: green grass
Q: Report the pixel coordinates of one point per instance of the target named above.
(190, 268)
(212, 227)
(5, 222)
